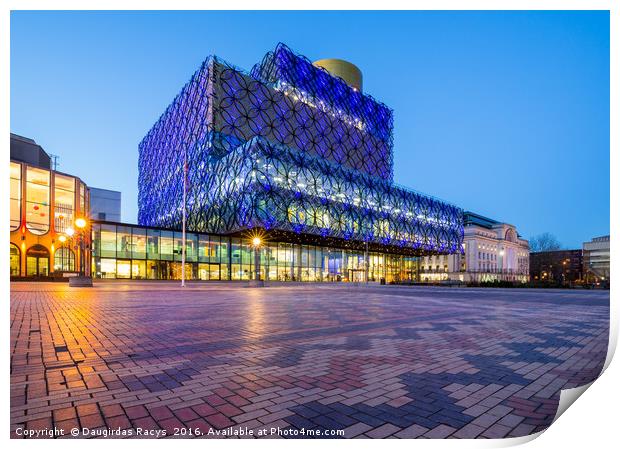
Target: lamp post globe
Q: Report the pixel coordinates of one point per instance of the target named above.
(256, 243)
(82, 280)
(80, 223)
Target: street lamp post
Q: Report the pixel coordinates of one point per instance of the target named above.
(62, 239)
(564, 272)
(501, 263)
(80, 223)
(256, 282)
(366, 264)
(82, 227)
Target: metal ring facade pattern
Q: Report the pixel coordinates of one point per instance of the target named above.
(287, 147)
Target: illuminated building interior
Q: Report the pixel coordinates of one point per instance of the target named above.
(292, 150)
(288, 151)
(44, 206)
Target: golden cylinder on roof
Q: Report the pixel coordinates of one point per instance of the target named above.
(343, 69)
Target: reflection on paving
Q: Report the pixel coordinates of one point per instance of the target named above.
(371, 361)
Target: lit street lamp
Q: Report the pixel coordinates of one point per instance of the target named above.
(257, 282)
(564, 271)
(82, 227)
(501, 263)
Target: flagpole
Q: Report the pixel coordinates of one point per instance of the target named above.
(184, 201)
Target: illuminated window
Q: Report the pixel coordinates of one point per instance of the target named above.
(138, 269)
(83, 199)
(138, 243)
(108, 268)
(191, 246)
(15, 260)
(37, 261)
(37, 200)
(166, 245)
(16, 197)
(204, 250)
(108, 241)
(153, 236)
(123, 269)
(64, 260)
(64, 198)
(123, 242)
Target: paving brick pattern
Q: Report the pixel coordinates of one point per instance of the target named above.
(374, 362)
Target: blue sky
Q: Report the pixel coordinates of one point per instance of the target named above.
(502, 113)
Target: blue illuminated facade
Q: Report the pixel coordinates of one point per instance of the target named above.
(289, 149)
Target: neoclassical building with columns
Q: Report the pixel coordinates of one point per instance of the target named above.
(491, 251)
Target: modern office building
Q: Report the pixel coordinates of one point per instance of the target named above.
(596, 259)
(492, 251)
(105, 204)
(44, 205)
(292, 151)
(557, 267)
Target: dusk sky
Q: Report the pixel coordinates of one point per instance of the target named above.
(502, 113)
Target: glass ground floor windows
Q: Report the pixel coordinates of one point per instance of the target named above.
(64, 260)
(15, 260)
(135, 252)
(278, 263)
(123, 269)
(209, 272)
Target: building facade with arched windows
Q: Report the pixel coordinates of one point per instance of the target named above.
(492, 251)
(288, 151)
(44, 205)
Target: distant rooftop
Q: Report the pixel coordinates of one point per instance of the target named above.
(25, 149)
(22, 138)
(473, 218)
(604, 238)
(99, 189)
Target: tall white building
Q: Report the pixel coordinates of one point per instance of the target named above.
(491, 251)
(596, 259)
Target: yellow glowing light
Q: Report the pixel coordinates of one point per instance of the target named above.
(70, 232)
(62, 239)
(257, 238)
(80, 223)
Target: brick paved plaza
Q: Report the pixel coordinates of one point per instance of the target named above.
(374, 362)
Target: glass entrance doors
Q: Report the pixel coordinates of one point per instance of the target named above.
(356, 275)
(37, 261)
(209, 271)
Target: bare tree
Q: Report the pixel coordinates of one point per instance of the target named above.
(544, 242)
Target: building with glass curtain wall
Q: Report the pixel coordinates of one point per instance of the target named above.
(44, 204)
(124, 251)
(295, 152)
